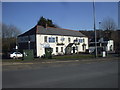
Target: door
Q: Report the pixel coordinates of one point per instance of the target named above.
(73, 49)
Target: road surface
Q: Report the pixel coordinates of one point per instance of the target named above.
(78, 75)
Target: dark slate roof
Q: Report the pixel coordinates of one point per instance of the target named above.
(52, 31)
(30, 32)
(58, 31)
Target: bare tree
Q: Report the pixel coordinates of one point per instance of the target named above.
(9, 34)
(9, 31)
(108, 24)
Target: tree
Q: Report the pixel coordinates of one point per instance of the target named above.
(9, 31)
(108, 24)
(50, 23)
(46, 22)
(42, 22)
(9, 34)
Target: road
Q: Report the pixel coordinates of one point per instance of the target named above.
(77, 75)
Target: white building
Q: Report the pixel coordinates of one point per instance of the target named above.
(110, 45)
(102, 43)
(62, 41)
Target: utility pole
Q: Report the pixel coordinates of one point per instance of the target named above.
(16, 47)
(29, 42)
(95, 28)
(100, 34)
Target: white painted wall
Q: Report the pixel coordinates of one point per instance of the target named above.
(110, 45)
(41, 44)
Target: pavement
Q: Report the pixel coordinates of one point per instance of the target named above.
(92, 73)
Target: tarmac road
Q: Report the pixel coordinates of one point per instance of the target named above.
(78, 75)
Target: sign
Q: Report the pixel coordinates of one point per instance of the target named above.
(46, 45)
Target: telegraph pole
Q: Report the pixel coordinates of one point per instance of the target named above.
(100, 34)
(95, 28)
(16, 47)
(29, 42)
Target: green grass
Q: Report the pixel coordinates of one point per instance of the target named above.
(63, 57)
(11, 60)
(74, 56)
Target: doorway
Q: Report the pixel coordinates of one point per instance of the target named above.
(73, 49)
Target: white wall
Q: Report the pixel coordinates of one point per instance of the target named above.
(41, 44)
(110, 44)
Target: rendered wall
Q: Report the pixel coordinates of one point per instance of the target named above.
(41, 44)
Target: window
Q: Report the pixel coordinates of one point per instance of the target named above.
(45, 39)
(84, 47)
(17, 53)
(56, 39)
(51, 40)
(76, 40)
(81, 40)
(56, 49)
(62, 39)
(68, 39)
(61, 49)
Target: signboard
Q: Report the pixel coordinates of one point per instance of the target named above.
(46, 45)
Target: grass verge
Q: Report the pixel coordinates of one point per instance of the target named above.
(74, 56)
(63, 57)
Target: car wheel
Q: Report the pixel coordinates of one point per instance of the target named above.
(14, 57)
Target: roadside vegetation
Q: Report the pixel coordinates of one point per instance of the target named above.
(74, 56)
(12, 60)
(9, 39)
(62, 57)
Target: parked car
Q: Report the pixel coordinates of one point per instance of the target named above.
(15, 55)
